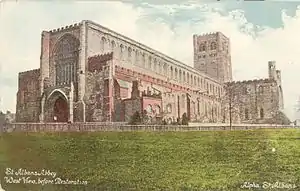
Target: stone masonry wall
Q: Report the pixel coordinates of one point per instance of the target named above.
(131, 106)
(142, 59)
(212, 56)
(28, 96)
(96, 95)
(254, 101)
(89, 127)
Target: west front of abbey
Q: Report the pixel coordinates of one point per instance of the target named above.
(89, 73)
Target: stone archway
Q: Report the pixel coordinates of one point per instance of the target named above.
(57, 107)
(60, 110)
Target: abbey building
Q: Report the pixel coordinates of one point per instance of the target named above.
(89, 73)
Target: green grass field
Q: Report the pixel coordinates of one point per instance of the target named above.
(218, 160)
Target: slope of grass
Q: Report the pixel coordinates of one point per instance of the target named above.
(218, 160)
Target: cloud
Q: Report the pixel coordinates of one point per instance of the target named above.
(167, 28)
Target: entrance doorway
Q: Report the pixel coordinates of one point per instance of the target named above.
(60, 110)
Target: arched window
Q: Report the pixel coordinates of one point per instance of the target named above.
(157, 109)
(202, 47)
(246, 114)
(260, 89)
(137, 57)
(193, 108)
(113, 44)
(159, 68)
(165, 68)
(134, 56)
(188, 78)
(261, 113)
(155, 66)
(224, 46)
(129, 51)
(144, 60)
(180, 75)
(65, 58)
(213, 46)
(121, 48)
(169, 108)
(150, 63)
(247, 90)
(103, 42)
(207, 87)
(149, 109)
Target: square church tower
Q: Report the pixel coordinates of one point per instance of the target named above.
(212, 56)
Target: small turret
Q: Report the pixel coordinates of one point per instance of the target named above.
(278, 76)
(272, 69)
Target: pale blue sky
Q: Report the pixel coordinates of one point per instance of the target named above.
(259, 32)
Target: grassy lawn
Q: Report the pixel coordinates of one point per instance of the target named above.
(218, 160)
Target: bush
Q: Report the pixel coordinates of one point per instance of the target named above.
(164, 122)
(185, 120)
(145, 118)
(135, 119)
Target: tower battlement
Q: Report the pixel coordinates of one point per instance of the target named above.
(68, 27)
(210, 34)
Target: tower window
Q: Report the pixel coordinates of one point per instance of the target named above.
(202, 47)
(224, 46)
(213, 46)
(246, 114)
(247, 90)
(260, 89)
(261, 113)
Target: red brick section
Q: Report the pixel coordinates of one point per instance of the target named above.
(96, 63)
(28, 94)
(130, 75)
(28, 86)
(27, 78)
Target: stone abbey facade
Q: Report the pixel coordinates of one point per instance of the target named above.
(89, 73)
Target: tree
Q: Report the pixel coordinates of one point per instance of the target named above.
(231, 102)
(279, 118)
(238, 95)
(145, 117)
(135, 119)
